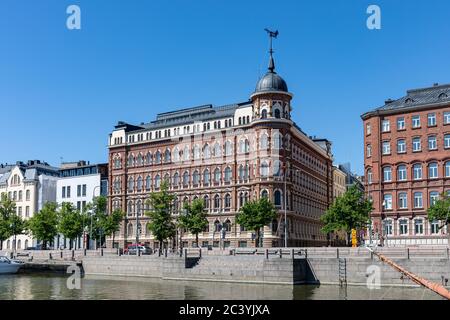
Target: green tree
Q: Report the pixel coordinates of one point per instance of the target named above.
(194, 218)
(44, 224)
(7, 209)
(17, 227)
(71, 222)
(112, 223)
(161, 222)
(254, 215)
(349, 211)
(97, 217)
(440, 210)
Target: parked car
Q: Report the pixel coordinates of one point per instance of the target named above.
(133, 248)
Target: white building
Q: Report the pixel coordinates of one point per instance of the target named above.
(30, 185)
(78, 184)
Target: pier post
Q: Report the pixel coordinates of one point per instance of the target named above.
(281, 253)
(448, 256)
(61, 254)
(407, 253)
(101, 252)
(84, 252)
(337, 253)
(50, 256)
(73, 254)
(292, 254)
(266, 252)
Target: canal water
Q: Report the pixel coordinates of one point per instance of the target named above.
(54, 287)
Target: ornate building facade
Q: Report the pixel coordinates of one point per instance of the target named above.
(407, 165)
(226, 156)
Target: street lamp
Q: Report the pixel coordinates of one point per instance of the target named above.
(138, 228)
(92, 213)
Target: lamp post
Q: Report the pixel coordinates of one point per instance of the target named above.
(138, 212)
(92, 213)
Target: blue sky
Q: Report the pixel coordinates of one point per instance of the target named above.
(62, 91)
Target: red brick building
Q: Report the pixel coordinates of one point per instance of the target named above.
(226, 156)
(407, 165)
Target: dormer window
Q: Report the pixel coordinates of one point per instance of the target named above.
(443, 96)
(409, 100)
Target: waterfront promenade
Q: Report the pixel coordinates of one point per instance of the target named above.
(282, 266)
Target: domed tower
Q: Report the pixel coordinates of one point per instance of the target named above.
(271, 98)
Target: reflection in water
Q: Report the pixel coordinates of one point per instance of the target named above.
(51, 286)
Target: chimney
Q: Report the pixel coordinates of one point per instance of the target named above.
(388, 101)
(435, 84)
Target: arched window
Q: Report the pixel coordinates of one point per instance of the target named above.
(158, 157)
(167, 178)
(217, 175)
(206, 152)
(167, 156)
(130, 160)
(176, 179)
(206, 202)
(265, 194)
(264, 169)
(369, 176)
(176, 154)
(149, 158)
(131, 184)
(227, 177)
(264, 142)
(264, 114)
(277, 141)
(277, 168)
(196, 152)
(433, 170)
(227, 225)
(140, 160)
(277, 198)
(148, 183)
(401, 173)
(216, 202)
(186, 179)
(241, 199)
(417, 171)
(206, 177)
(139, 184)
(157, 181)
(186, 153)
(227, 200)
(196, 177)
(447, 169)
(277, 113)
(217, 226)
(217, 150)
(228, 148)
(244, 146)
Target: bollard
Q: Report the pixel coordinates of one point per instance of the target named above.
(138, 253)
(200, 253)
(181, 252)
(73, 254)
(281, 253)
(407, 253)
(61, 254)
(337, 253)
(84, 252)
(165, 253)
(448, 257)
(185, 253)
(101, 252)
(50, 256)
(266, 253)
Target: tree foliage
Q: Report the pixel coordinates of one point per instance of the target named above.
(194, 218)
(440, 210)
(111, 224)
(71, 222)
(7, 209)
(350, 211)
(44, 224)
(161, 223)
(254, 215)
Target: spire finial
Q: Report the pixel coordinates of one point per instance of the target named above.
(272, 34)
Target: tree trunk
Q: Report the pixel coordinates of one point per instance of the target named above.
(113, 239)
(44, 245)
(196, 240)
(257, 238)
(160, 247)
(1, 245)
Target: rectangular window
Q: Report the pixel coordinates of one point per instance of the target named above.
(401, 123)
(63, 192)
(79, 205)
(434, 227)
(386, 147)
(387, 203)
(385, 126)
(403, 226)
(431, 119)
(403, 201)
(19, 211)
(417, 171)
(387, 174)
(27, 211)
(369, 151)
(79, 190)
(368, 129)
(401, 173)
(28, 195)
(447, 117)
(434, 197)
(432, 143)
(417, 146)
(68, 192)
(83, 206)
(418, 200)
(416, 121)
(388, 227)
(401, 146)
(84, 190)
(447, 141)
(418, 226)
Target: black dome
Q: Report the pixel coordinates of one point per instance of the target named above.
(271, 82)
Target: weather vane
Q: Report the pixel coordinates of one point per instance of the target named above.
(272, 34)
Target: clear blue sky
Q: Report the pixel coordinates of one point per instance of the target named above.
(62, 91)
